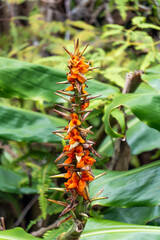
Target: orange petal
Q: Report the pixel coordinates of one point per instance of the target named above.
(81, 185)
(70, 88)
(68, 174)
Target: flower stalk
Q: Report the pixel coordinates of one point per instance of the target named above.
(76, 152)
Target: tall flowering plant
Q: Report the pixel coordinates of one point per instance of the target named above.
(76, 153)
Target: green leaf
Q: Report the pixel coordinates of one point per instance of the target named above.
(140, 22)
(144, 106)
(152, 76)
(9, 180)
(119, 116)
(102, 89)
(24, 125)
(122, 7)
(140, 138)
(27, 80)
(137, 187)
(109, 33)
(134, 215)
(105, 229)
(150, 57)
(30, 81)
(80, 24)
(16, 234)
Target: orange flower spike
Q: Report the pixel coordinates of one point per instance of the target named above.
(79, 172)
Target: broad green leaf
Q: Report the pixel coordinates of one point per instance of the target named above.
(10, 182)
(27, 80)
(37, 82)
(134, 215)
(144, 106)
(105, 229)
(102, 89)
(16, 234)
(137, 187)
(28, 126)
(140, 138)
(152, 76)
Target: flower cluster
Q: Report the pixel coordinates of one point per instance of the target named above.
(78, 161)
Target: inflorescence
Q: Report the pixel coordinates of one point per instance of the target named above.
(78, 160)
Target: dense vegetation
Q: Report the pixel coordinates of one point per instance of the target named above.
(124, 43)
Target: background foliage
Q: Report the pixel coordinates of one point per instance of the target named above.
(123, 37)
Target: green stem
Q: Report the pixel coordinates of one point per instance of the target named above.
(74, 232)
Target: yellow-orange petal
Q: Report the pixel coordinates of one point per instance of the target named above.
(70, 88)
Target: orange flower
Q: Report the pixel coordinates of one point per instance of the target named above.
(68, 174)
(76, 139)
(75, 120)
(79, 151)
(68, 161)
(72, 182)
(66, 148)
(84, 106)
(81, 185)
(70, 153)
(81, 78)
(88, 160)
(80, 164)
(86, 176)
(74, 136)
